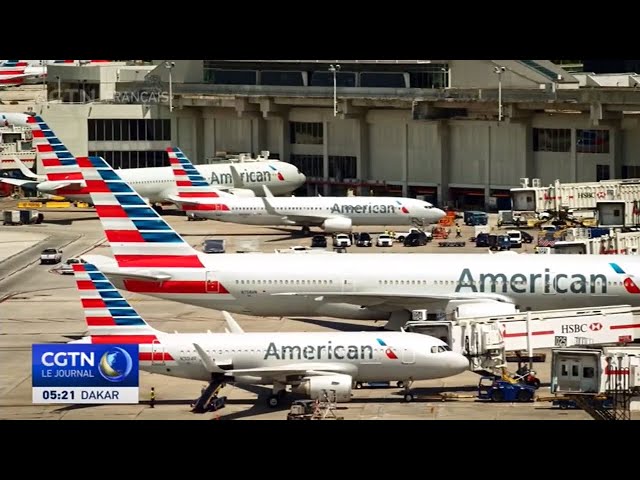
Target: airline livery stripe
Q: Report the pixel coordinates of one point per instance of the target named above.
(111, 211)
(161, 237)
(154, 356)
(36, 133)
(181, 183)
(97, 186)
(93, 303)
(55, 177)
(168, 286)
(124, 236)
(510, 335)
(198, 195)
(100, 321)
(44, 148)
(176, 261)
(85, 285)
(127, 339)
(621, 327)
(206, 207)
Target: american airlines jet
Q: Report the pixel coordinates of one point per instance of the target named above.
(308, 361)
(152, 259)
(332, 214)
(155, 184)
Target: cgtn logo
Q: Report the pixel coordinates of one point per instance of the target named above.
(85, 373)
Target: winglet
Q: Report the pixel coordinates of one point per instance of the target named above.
(231, 323)
(237, 179)
(267, 192)
(269, 208)
(206, 361)
(25, 170)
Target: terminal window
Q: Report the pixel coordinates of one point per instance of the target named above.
(551, 140)
(134, 158)
(631, 171)
(310, 165)
(592, 141)
(341, 167)
(306, 133)
(106, 130)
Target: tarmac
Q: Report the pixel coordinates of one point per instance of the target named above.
(37, 305)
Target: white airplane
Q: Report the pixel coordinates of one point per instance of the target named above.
(307, 361)
(19, 72)
(17, 119)
(332, 214)
(155, 184)
(152, 259)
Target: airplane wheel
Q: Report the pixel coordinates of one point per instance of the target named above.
(400, 384)
(408, 397)
(358, 385)
(273, 401)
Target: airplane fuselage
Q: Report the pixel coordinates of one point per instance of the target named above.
(365, 356)
(156, 184)
(271, 285)
(314, 210)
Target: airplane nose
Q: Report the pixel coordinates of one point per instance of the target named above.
(457, 363)
(439, 213)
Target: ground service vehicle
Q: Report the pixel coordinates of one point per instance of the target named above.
(50, 255)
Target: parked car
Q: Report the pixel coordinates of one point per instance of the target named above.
(213, 246)
(364, 240)
(342, 240)
(384, 240)
(67, 267)
(50, 255)
(416, 239)
(319, 241)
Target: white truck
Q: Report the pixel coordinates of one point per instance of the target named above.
(51, 256)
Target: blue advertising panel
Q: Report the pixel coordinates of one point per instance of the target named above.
(85, 373)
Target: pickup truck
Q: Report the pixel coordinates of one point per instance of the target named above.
(399, 237)
(50, 255)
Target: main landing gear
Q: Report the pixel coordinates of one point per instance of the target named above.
(279, 393)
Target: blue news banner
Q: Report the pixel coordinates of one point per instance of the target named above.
(85, 373)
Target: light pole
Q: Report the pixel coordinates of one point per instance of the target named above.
(335, 69)
(444, 77)
(59, 89)
(499, 71)
(170, 66)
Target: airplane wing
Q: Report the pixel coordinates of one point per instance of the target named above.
(294, 219)
(18, 182)
(25, 170)
(304, 370)
(237, 179)
(397, 300)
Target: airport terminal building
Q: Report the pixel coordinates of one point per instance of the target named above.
(456, 132)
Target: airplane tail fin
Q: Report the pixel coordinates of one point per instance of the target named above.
(58, 163)
(138, 236)
(106, 311)
(12, 72)
(189, 181)
(110, 317)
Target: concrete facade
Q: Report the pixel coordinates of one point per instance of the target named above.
(442, 143)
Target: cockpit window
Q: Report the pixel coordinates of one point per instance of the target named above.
(440, 348)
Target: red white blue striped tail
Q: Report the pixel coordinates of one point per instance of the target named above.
(189, 181)
(111, 318)
(58, 163)
(138, 236)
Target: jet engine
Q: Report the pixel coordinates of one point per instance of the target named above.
(331, 225)
(313, 387)
(242, 192)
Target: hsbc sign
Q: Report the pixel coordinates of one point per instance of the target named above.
(574, 328)
(581, 328)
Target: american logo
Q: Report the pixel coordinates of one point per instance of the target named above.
(388, 351)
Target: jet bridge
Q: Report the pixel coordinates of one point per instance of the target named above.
(484, 340)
